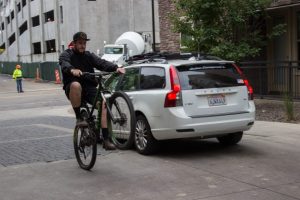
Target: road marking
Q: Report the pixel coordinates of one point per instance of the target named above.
(36, 112)
(25, 95)
(68, 130)
(35, 103)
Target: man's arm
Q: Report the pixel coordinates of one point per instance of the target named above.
(104, 65)
(65, 62)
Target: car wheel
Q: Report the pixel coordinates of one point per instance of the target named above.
(144, 141)
(230, 139)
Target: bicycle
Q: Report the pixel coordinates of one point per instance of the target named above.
(120, 118)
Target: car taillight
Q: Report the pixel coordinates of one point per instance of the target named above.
(246, 82)
(250, 89)
(173, 98)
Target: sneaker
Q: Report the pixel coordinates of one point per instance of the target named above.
(81, 122)
(107, 145)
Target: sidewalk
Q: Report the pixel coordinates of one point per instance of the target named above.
(128, 175)
(8, 85)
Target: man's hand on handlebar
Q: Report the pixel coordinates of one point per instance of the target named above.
(76, 72)
(121, 70)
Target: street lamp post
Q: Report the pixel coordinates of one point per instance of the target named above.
(153, 27)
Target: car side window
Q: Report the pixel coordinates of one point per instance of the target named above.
(112, 82)
(129, 81)
(152, 78)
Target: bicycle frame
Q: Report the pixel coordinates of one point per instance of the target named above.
(100, 97)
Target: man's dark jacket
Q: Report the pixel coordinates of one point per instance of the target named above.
(86, 62)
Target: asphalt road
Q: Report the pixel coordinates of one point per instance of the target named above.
(37, 158)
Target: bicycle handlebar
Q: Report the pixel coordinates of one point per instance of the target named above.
(97, 73)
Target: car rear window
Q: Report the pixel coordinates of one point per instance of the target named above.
(201, 76)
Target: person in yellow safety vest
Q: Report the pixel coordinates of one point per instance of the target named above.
(17, 75)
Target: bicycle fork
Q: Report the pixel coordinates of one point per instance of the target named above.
(121, 119)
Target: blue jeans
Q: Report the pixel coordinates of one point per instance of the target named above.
(19, 85)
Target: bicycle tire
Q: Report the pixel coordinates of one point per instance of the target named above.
(122, 133)
(83, 141)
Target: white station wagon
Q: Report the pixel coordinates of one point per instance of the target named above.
(187, 99)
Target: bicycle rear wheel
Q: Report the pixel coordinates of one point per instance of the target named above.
(122, 130)
(85, 147)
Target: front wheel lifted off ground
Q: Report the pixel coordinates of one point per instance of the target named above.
(122, 131)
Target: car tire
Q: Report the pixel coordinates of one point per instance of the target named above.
(144, 141)
(230, 139)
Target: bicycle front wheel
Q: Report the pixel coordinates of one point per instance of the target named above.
(85, 147)
(122, 121)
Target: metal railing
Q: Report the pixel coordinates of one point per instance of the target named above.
(273, 79)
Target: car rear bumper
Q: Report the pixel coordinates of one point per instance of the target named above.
(175, 124)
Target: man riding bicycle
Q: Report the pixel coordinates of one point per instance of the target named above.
(77, 88)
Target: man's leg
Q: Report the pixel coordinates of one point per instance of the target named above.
(90, 95)
(75, 99)
(106, 144)
(18, 85)
(21, 87)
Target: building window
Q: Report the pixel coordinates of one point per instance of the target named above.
(2, 26)
(23, 3)
(49, 16)
(19, 7)
(35, 21)
(8, 19)
(23, 28)
(11, 39)
(61, 14)
(12, 15)
(2, 48)
(91, 0)
(37, 48)
(50, 45)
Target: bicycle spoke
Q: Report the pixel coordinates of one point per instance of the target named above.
(85, 147)
(123, 124)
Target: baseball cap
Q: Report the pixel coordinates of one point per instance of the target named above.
(80, 35)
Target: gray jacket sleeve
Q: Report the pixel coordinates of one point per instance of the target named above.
(65, 62)
(104, 65)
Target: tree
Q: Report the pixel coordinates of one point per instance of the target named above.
(231, 29)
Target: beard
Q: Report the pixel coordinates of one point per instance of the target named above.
(79, 51)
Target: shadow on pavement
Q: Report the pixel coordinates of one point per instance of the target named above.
(188, 148)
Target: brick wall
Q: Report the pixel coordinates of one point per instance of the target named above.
(170, 41)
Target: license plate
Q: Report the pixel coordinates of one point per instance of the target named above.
(216, 100)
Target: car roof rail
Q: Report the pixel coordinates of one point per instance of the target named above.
(163, 57)
(146, 58)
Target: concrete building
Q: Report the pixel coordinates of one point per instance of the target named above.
(39, 30)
